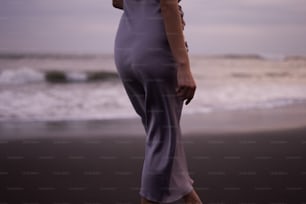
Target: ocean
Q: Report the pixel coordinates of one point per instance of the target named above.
(52, 87)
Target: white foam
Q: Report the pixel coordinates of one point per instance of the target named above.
(20, 76)
(217, 89)
(76, 76)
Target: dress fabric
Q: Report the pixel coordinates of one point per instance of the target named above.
(148, 71)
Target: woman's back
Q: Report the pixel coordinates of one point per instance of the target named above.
(141, 26)
(141, 36)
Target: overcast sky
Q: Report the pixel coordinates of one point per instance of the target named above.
(271, 27)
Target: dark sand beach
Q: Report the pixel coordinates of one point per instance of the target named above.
(253, 156)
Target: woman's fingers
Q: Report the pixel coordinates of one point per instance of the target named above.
(182, 91)
(186, 93)
(189, 96)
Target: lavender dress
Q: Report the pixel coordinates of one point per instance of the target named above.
(148, 70)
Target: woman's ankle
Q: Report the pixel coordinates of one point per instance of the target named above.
(192, 198)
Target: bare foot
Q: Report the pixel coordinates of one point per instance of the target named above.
(192, 198)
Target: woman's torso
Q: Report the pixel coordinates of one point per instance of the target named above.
(141, 25)
(141, 36)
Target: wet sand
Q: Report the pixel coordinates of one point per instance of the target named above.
(233, 157)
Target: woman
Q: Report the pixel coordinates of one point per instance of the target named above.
(152, 61)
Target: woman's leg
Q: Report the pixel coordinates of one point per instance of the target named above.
(136, 94)
(152, 94)
(192, 198)
(164, 177)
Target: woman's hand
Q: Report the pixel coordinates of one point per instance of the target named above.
(118, 4)
(174, 26)
(186, 85)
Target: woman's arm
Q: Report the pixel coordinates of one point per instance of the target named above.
(174, 31)
(118, 4)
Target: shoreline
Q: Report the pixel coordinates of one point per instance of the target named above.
(217, 123)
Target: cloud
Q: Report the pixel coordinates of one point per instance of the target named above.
(276, 26)
(55, 25)
(212, 26)
(246, 12)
